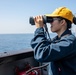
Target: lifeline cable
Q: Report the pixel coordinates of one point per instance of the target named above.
(40, 67)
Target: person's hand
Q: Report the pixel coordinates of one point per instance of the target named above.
(39, 21)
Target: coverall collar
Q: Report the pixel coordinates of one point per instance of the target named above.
(64, 33)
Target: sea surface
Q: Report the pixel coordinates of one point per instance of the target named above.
(16, 41)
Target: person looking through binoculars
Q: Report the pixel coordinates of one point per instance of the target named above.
(61, 50)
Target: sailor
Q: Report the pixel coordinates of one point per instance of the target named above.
(61, 51)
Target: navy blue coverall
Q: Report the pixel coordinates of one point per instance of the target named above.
(61, 52)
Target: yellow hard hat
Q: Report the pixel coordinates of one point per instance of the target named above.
(62, 12)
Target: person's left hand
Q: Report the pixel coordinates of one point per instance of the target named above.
(39, 21)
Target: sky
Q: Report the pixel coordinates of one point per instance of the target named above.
(15, 14)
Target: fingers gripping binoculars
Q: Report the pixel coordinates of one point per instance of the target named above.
(45, 20)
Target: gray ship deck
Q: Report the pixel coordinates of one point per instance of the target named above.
(11, 59)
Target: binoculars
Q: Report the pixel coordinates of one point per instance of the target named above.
(45, 20)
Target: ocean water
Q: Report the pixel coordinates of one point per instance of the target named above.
(16, 41)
